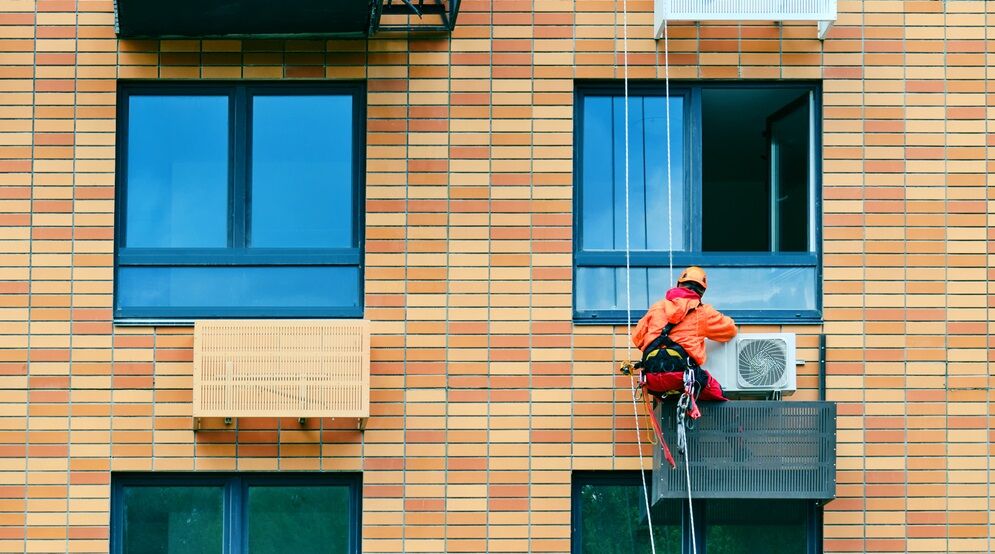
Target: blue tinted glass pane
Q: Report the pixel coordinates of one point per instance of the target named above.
(301, 520)
(637, 182)
(596, 289)
(655, 171)
(172, 520)
(729, 288)
(302, 171)
(602, 161)
(598, 184)
(604, 288)
(202, 288)
(762, 288)
(177, 171)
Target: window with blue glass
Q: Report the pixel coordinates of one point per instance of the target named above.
(738, 195)
(257, 513)
(239, 200)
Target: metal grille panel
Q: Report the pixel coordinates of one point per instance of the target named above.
(752, 449)
(281, 368)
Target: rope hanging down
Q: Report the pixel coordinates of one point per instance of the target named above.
(628, 284)
(687, 396)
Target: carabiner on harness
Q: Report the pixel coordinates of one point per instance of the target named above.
(687, 406)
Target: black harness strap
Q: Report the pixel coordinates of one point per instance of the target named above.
(665, 340)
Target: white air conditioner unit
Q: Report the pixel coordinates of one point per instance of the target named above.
(754, 363)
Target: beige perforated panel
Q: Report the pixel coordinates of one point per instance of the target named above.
(281, 368)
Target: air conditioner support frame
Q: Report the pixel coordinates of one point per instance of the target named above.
(198, 423)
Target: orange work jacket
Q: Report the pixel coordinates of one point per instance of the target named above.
(705, 322)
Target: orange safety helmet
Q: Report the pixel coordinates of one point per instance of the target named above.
(694, 274)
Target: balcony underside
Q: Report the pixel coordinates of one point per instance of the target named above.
(821, 11)
(284, 19)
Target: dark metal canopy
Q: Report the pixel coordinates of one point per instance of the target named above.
(284, 18)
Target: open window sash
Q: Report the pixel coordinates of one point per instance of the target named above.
(791, 173)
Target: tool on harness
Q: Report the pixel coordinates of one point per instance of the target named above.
(630, 368)
(687, 407)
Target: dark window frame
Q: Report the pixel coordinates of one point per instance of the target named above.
(237, 254)
(235, 487)
(814, 519)
(693, 255)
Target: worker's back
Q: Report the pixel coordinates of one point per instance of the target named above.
(694, 323)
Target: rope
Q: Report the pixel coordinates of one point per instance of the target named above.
(628, 282)
(666, 90)
(682, 406)
(685, 405)
(687, 471)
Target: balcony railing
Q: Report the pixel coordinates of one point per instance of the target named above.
(752, 449)
(283, 19)
(416, 16)
(822, 11)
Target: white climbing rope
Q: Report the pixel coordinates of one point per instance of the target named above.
(682, 431)
(628, 281)
(683, 406)
(682, 437)
(670, 194)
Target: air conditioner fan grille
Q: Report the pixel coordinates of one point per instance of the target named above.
(762, 363)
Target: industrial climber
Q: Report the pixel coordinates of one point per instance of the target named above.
(672, 338)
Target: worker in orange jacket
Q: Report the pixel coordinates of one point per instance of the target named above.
(687, 322)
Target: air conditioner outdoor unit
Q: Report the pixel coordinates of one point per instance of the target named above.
(312, 368)
(754, 363)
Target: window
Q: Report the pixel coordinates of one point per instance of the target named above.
(239, 200)
(743, 202)
(175, 513)
(609, 516)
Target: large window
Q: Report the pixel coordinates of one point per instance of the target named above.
(609, 517)
(204, 513)
(741, 198)
(239, 200)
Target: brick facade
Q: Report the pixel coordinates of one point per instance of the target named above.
(486, 396)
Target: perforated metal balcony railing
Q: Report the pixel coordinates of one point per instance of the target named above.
(282, 19)
(752, 449)
(822, 11)
(282, 368)
(415, 16)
